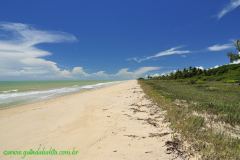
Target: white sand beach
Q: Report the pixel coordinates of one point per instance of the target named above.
(116, 122)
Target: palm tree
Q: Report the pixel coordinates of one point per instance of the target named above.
(233, 57)
(237, 44)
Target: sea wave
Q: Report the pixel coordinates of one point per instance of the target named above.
(9, 91)
(12, 96)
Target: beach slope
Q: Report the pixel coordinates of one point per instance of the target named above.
(114, 122)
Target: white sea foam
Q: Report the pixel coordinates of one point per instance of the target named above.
(13, 96)
(9, 91)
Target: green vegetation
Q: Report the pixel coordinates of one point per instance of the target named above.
(235, 56)
(217, 99)
(225, 73)
(203, 106)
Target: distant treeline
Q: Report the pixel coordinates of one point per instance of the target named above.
(185, 73)
(229, 73)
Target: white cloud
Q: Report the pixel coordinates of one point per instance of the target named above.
(228, 8)
(134, 74)
(200, 67)
(79, 71)
(236, 62)
(220, 47)
(216, 66)
(171, 51)
(155, 75)
(21, 59)
(19, 56)
(168, 72)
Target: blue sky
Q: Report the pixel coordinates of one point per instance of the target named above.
(113, 39)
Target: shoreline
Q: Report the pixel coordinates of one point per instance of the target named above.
(115, 122)
(29, 102)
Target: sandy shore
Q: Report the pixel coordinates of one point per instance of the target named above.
(115, 122)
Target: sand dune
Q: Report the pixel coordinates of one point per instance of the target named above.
(115, 122)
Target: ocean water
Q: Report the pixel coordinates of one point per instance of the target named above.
(14, 93)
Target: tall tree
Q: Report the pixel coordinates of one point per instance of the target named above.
(233, 57)
(237, 44)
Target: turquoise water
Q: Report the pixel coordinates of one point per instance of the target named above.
(14, 93)
(20, 86)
